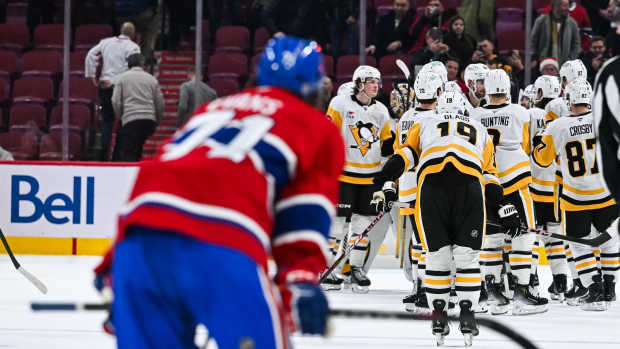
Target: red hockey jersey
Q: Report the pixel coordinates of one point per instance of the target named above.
(256, 172)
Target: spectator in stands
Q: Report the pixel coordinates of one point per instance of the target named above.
(139, 103)
(327, 93)
(594, 58)
(390, 34)
(143, 14)
(433, 50)
(580, 15)
(187, 103)
(549, 66)
(555, 34)
(113, 53)
(433, 17)
(599, 12)
(453, 66)
(5, 155)
(479, 16)
(462, 45)
(342, 18)
(517, 69)
(485, 49)
(284, 17)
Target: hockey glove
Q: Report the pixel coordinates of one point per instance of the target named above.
(103, 284)
(509, 219)
(306, 305)
(382, 200)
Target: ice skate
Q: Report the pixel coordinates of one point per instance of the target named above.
(525, 303)
(410, 300)
(333, 282)
(575, 293)
(467, 324)
(359, 281)
(594, 300)
(557, 288)
(440, 325)
(498, 303)
(609, 289)
(421, 304)
(534, 283)
(483, 305)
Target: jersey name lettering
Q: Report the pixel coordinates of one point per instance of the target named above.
(500, 120)
(580, 129)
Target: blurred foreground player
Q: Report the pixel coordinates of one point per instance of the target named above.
(248, 176)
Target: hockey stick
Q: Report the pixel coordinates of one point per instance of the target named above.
(350, 247)
(68, 306)
(33, 279)
(483, 321)
(594, 242)
(403, 67)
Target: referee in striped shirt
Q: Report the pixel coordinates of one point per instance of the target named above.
(606, 109)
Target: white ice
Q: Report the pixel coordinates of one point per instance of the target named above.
(69, 278)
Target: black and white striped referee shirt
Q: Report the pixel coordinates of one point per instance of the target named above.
(606, 109)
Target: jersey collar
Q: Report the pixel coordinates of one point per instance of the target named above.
(354, 98)
(488, 106)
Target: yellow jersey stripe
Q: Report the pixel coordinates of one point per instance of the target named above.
(358, 165)
(583, 192)
(514, 168)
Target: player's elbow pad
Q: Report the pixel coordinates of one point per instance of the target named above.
(493, 194)
(393, 168)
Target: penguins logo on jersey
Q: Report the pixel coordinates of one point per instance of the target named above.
(365, 134)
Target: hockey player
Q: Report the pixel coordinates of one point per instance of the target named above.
(527, 97)
(543, 189)
(453, 154)
(569, 71)
(474, 79)
(508, 126)
(584, 200)
(428, 86)
(364, 124)
(452, 86)
(190, 223)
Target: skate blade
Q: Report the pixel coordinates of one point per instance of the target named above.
(499, 309)
(359, 289)
(468, 337)
(556, 298)
(523, 309)
(439, 339)
(325, 287)
(573, 302)
(594, 306)
(410, 307)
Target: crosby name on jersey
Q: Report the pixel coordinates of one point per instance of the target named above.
(364, 129)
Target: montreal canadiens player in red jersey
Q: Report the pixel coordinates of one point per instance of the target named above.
(249, 176)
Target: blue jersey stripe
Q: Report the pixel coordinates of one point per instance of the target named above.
(302, 217)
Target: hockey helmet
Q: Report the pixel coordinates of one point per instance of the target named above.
(292, 63)
(578, 91)
(548, 86)
(436, 67)
(346, 89)
(475, 72)
(572, 70)
(451, 102)
(497, 82)
(427, 85)
(364, 72)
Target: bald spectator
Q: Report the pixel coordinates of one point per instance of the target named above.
(186, 96)
(144, 14)
(112, 53)
(555, 34)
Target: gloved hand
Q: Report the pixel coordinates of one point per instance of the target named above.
(306, 305)
(537, 140)
(103, 284)
(382, 200)
(509, 219)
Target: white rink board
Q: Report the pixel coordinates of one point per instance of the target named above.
(63, 199)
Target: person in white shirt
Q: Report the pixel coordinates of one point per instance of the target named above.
(113, 53)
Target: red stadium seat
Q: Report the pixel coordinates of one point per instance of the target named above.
(76, 62)
(254, 62)
(49, 36)
(388, 67)
(15, 37)
(27, 117)
(328, 61)
(232, 38)
(499, 4)
(261, 37)
(224, 87)
(33, 89)
(89, 35)
(79, 122)
(347, 64)
(51, 146)
(23, 145)
(9, 63)
(42, 63)
(228, 65)
(81, 91)
(511, 40)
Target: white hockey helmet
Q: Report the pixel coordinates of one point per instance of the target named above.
(530, 92)
(497, 82)
(578, 91)
(364, 72)
(451, 102)
(346, 89)
(452, 86)
(436, 67)
(549, 85)
(426, 86)
(475, 72)
(572, 70)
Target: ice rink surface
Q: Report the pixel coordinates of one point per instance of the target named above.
(69, 278)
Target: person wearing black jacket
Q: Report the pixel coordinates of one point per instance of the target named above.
(293, 18)
(462, 45)
(595, 57)
(432, 51)
(390, 35)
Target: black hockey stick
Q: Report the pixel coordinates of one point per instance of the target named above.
(395, 315)
(33, 279)
(350, 247)
(594, 242)
(68, 306)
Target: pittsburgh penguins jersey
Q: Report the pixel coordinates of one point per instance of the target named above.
(364, 129)
(543, 178)
(433, 142)
(572, 139)
(556, 108)
(407, 183)
(509, 126)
